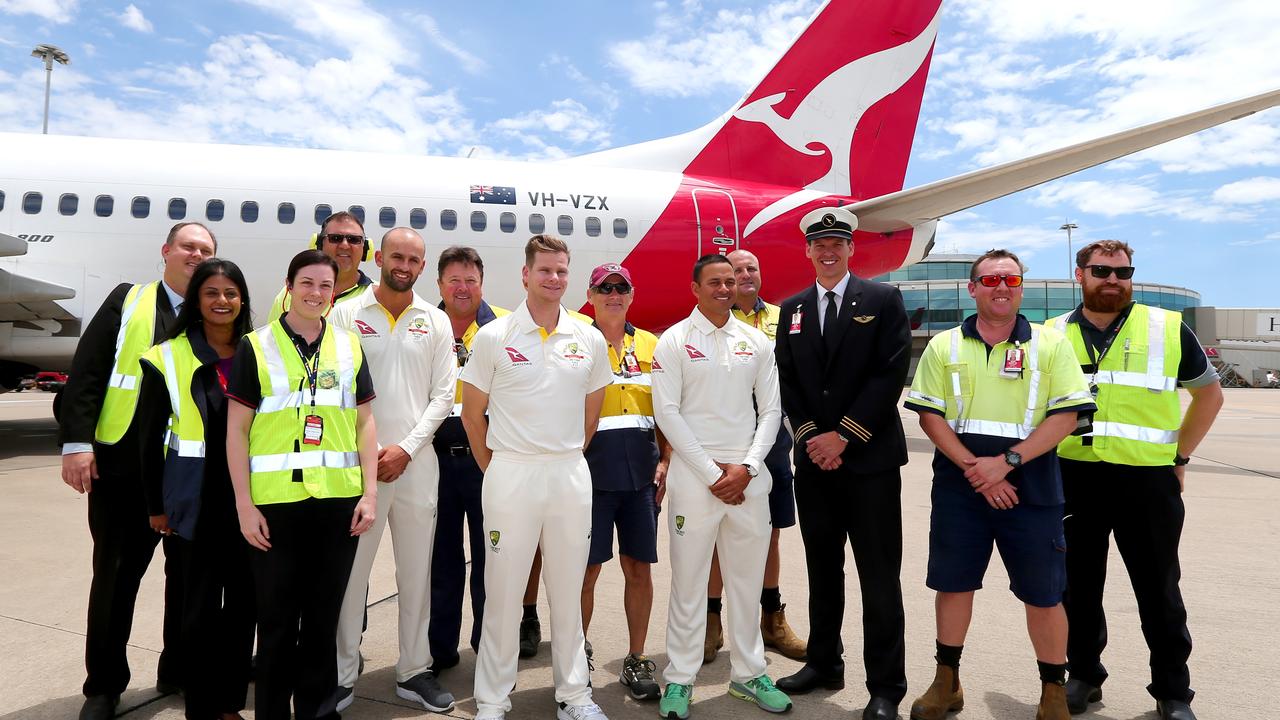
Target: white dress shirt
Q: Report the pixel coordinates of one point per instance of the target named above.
(840, 289)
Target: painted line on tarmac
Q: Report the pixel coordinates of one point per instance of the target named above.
(1237, 467)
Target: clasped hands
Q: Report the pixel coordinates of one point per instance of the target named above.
(986, 475)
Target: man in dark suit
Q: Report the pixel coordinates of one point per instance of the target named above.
(843, 348)
(100, 456)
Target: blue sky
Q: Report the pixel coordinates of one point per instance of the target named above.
(548, 80)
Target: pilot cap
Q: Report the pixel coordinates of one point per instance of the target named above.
(828, 222)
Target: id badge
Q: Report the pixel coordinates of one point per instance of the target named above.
(1012, 363)
(632, 365)
(796, 317)
(312, 430)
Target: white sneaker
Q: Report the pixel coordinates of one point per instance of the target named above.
(491, 715)
(589, 711)
(344, 697)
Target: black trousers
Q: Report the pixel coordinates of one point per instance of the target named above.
(460, 483)
(866, 511)
(1143, 507)
(299, 584)
(123, 545)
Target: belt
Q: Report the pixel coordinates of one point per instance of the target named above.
(455, 450)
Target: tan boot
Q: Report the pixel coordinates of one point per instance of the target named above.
(1053, 703)
(779, 636)
(943, 696)
(714, 640)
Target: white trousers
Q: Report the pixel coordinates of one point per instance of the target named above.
(409, 505)
(697, 522)
(532, 501)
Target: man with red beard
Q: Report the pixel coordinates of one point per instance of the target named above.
(1126, 476)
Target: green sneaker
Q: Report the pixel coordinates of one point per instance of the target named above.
(674, 704)
(762, 692)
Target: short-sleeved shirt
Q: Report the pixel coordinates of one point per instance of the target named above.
(244, 387)
(1038, 481)
(763, 317)
(537, 381)
(1194, 369)
(623, 454)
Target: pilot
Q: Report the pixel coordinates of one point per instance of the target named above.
(341, 237)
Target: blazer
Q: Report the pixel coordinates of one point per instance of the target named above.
(853, 389)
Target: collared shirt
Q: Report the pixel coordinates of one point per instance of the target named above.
(840, 289)
(705, 380)
(1194, 369)
(245, 387)
(763, 317)
(412, 356)
(537, 381)
(175, 300)
(623, 454)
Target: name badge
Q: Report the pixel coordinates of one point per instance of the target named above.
(312, 430)
(632, 365)
(1012, 362)
(796, 317)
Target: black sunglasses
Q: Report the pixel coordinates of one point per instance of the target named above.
(337, 239)
(607, 288)
(1123, 272)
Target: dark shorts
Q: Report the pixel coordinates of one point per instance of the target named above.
(635, 514)
(962, 528)
(782, 497)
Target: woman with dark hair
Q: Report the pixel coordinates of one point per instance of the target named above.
(303, 457)
(182, 405)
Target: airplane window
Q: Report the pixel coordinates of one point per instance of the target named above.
(564, 225)
(417, 218)
(104, 205)
(141, 207)
(249, 211)
(479, 220)
(387, 217)
(214, 210)
(286, 213)
(593, 227)
(322, 212)
(1, 200)
(68, 204)
(358, 211)
(32, 202)
(537, 223)
(177, 208)
(507, 222)
(448, 220)
(619, 228)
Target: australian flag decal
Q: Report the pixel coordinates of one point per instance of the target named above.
(493, 194)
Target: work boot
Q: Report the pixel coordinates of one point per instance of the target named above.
(943, 696)
(714, 640)
(1053, 703)
(530, 637)
(778, 635)
(1080, 694)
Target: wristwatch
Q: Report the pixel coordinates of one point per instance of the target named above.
(751, 469)
(1179, 460)
(1013, 458)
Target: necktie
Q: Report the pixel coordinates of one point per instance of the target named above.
(829, 316)
(177, 309)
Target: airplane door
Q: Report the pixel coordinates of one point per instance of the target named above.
(717, 220)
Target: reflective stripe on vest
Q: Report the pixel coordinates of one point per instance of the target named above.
(623, 422)
(302, 461)
(136, 334)
(961, 424)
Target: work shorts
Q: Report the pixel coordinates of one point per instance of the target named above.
(635, 514)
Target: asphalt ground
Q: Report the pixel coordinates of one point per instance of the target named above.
(1231, 583)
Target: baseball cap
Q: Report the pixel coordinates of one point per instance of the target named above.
(600, 273)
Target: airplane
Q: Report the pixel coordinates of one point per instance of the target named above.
(832, 123)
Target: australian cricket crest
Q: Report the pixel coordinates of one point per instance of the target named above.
(494, 537)
(680, 525)
(327, 380)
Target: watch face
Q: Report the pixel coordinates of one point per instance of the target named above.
(1013, 458)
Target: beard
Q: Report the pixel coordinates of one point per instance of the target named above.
(1097, 301)
(390, 281)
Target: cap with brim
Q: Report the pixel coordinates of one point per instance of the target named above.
(828, 222)
(603, 271)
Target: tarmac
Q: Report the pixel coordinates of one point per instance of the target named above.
(1231, 583)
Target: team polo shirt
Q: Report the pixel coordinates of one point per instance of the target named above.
(623, 454)
(413, 357)
(1061, 388)
(704, 381)
(763, 317)
(537, 381)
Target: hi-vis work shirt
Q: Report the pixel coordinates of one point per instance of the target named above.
(704, 381)
(412, 357)
(623, 454)
(537, 381)
(451, 433)
(963, 379)
(280, 304)
(763, 317)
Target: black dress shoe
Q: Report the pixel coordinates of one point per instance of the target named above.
(808, 679)
(1080, 694)
(1174, 710)
(99, 707)
(880, 709)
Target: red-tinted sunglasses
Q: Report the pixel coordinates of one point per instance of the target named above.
(994, 280)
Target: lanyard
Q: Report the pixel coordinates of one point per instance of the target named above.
(310, 367)
(1107, 342)
(628, 351)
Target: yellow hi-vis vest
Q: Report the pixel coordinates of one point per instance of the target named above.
(1138, 412)
(628, 398)
(184, 439)
(137, 333)
(276, 448)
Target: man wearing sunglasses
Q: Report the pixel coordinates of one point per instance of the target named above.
(1126, 476)
(996, 395)
(341, 237)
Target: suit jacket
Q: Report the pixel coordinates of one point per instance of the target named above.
(91, 369)
(853, 388)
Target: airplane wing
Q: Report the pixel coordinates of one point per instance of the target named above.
(909, 208)
(25, 298)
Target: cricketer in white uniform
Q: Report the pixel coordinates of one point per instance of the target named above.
(707, 368)
(408, 344)
(541, 375)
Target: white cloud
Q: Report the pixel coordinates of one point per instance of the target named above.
(133, 19)
(1249, 192)
(1271, 239)
(1124, 199)
(567, 118)
(431, 29)
(58, 11)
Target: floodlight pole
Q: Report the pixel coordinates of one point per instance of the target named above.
(1071, 257)
(49, 53)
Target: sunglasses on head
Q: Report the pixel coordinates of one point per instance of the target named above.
(608, 288)
(1123, 272)
(994, 280)
(337, 239)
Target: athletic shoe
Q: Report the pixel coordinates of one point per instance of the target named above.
(761, 691)
(637, 676)
(425, 690)
(674, 704)
(589, 711)
(530, 637)
(343, 698)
